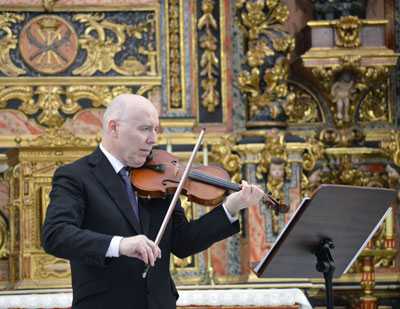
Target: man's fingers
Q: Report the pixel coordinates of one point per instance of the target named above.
(140, 247)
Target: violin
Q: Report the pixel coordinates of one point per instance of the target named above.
(205, 185)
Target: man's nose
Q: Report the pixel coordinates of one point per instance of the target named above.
(153, 137)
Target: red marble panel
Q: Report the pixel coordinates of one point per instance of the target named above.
(13, 121)
(258, 246)
(3, 271)
(86, 122)
(219, 257)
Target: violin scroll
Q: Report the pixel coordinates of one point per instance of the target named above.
(274, 204)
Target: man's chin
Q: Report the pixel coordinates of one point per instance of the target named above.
(139, 164)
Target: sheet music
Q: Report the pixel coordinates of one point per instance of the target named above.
(257, 268)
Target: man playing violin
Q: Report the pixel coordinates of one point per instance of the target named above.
(90, 220)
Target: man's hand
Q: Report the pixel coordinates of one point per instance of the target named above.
(140, 247)
(249, 195)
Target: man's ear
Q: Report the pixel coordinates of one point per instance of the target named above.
(113, 128)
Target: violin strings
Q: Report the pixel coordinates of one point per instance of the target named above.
(213, 180)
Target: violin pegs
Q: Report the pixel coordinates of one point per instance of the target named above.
(278, 199)
(270, 192)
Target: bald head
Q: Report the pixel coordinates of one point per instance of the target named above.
(130, 124)
(126, 107)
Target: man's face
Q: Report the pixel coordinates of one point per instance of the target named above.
(136, 137)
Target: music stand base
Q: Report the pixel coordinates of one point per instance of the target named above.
(326, 265)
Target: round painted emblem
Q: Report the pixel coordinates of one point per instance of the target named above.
(48, 44)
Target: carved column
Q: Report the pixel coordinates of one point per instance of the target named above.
(368, 301)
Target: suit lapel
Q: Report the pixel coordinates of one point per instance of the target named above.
(112, 184)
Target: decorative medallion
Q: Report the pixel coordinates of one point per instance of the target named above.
(48, 44)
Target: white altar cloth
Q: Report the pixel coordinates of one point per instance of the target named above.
(227, 297)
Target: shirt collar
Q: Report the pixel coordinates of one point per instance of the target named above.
(116, 164)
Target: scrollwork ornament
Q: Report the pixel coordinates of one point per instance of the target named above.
(315, 151)
(222, 153)
(7, 42)
(52, 267)
(22, 93)
(374, 106)
(300, 106)
(391, 148)
(101, 48)
(49, 103)
(99, 95)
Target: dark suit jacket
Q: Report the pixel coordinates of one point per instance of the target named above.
(88, 206)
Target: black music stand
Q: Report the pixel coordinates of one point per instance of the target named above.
(335, 216)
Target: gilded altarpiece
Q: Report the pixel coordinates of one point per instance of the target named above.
(30, 174)
(291, 99)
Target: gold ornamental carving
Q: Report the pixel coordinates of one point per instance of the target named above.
(48, 44)
(209, 61)
(56, 137)
(102, 48)
(301, 105)
(344, 137)
(391, 147)
(52, 267)
(350, 85)
(4, 239)
(50, 102)
(174, 61)
(48, 5)
(222, 153)
(314, 150)
(7, 42)
(347, 29)
(276, 80)
(99, 95)
(31, 167)
(22, 93)
(260, 22)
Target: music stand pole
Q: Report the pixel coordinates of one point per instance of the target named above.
(326, 265)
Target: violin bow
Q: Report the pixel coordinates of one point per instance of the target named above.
(176, 196)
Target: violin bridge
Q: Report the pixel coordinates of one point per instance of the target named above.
(176, 169)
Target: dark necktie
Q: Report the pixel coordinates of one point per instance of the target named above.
(124, 173)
